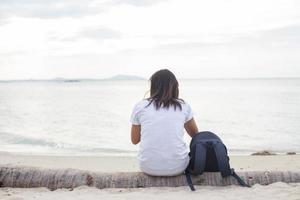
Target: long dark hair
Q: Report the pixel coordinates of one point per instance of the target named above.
(164, 90)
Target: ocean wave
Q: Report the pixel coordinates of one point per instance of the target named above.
(15, 139)
(11, 138)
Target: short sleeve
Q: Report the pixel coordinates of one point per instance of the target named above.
(188, 112)
(134, 118)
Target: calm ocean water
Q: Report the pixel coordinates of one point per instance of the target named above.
(92, 117)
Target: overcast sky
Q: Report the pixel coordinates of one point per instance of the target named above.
(196, 39)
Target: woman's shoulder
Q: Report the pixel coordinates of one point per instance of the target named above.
(187, 110)
(183, 102)
(185, 105)
(141, 104)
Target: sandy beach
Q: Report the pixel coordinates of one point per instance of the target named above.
(128, 164)
(274, 191)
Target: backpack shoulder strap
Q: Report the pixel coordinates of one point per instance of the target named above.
(199, 159)
(239, 180)
(223, 163)
(189, 179)
(222, 158)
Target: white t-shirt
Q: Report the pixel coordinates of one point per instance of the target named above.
(162, 150)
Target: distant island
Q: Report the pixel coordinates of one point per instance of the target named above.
(126, 77)
(71, 80)
(116, 77)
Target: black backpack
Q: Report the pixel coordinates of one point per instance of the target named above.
(209, 154)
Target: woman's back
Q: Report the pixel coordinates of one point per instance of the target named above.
(163, 150)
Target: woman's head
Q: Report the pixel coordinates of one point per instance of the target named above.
(164, 90)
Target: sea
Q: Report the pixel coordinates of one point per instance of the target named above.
(91, 117)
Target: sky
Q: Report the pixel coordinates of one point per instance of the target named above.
(43, 39)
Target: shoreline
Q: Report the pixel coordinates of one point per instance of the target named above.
(130, 163)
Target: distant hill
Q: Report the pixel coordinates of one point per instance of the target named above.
(131, 77)
(126, 77)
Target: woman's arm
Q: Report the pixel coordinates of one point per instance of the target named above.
(191, 127)
(135, 134)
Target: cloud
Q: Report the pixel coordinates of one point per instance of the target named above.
(138, 3)
(100, 33)
(3, 21)
(282, 36)
(133, 33)
(287, 36)
(48, 8)
(12, 53)
(268, 42)
(287, 33)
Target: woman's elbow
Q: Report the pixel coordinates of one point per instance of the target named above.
(135, 141)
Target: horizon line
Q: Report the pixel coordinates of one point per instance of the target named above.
(143, 78)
